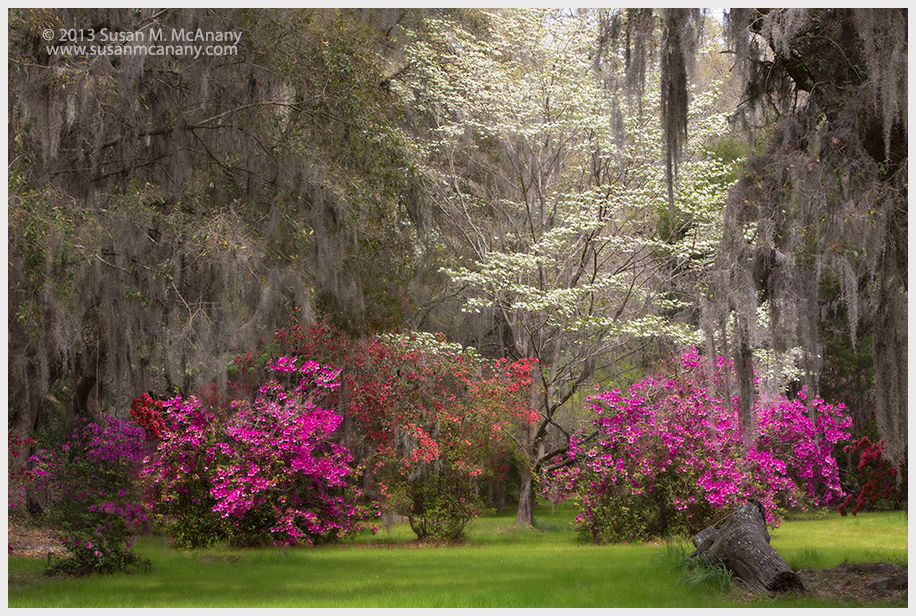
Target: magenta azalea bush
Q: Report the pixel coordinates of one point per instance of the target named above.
(91, 483)
(265, 470)
(670, 455)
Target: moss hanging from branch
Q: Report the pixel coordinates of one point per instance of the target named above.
(184, 205)
(828, 191)
(681, 32)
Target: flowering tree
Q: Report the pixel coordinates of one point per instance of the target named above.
(670, 454)
(560, 220)
(266, 468)
(91, 480)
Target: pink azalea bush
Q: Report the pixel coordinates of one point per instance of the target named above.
(266, 469)
(178, 475)
(670, 455)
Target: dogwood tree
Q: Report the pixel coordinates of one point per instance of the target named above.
(557, 203)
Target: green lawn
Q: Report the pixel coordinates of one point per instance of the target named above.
(498, 566)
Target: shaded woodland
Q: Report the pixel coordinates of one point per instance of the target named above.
(593, 189)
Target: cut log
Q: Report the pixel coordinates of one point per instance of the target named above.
(742, 545)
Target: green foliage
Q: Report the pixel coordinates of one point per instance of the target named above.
(621, 516)
(848, 371)
(437, 507)
(193, 523)
(92, 482)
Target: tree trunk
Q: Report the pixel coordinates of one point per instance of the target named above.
(35, 362)
(742, 545)
(534, 448)
(525, 515)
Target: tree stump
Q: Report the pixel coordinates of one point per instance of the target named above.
(742, 545)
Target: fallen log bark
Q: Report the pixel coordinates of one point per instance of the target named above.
(742, 545)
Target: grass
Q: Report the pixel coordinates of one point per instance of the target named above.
(694, 572)
(832, 540)
(498, 566)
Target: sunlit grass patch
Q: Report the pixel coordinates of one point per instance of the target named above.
(832, 539)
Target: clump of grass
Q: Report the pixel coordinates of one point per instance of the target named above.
(809, 558)
(694, 571)
(673, 558)
(704, 572)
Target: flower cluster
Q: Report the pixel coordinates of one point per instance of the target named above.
(670, 454)
(265, 469)
(147, 413)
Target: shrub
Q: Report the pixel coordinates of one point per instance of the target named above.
(179, 477)
(268, 470)
(669, 455)
(436, 419)
(438, 507)
(95, 501)
(879, 484)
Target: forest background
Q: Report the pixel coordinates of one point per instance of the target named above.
(594, 190)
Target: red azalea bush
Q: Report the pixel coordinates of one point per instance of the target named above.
(669, 456)
(437, 423)
(877, 481)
